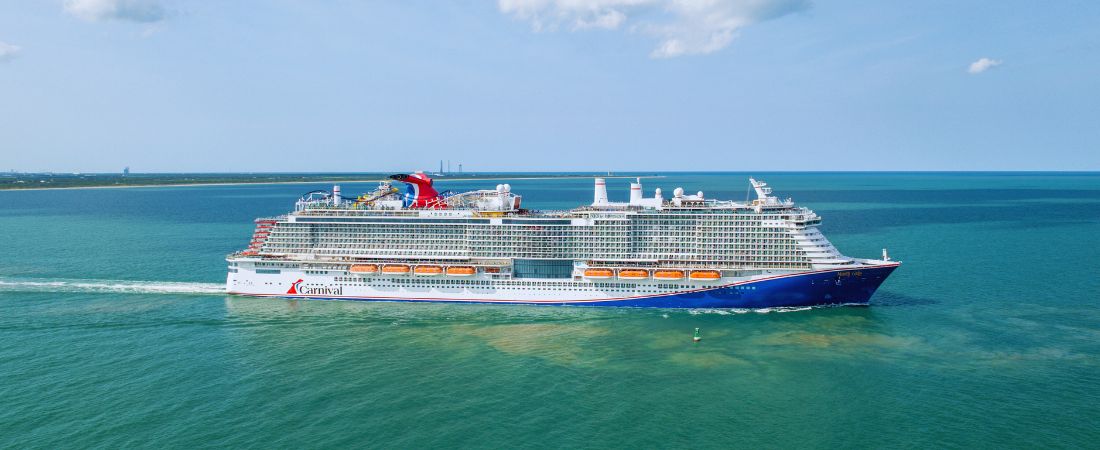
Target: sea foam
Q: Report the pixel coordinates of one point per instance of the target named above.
(109, 286)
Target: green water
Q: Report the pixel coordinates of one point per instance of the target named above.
(115, 334)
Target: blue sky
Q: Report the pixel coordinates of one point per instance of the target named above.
(589, 85)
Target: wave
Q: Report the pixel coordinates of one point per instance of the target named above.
(109, 286)
(775, 309)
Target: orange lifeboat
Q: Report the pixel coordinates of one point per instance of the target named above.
(427, 270)
(395, 269)
(461, 271)
(705, 275)
(633, 274)
(668, 275)
(364, 269)
(598, 273)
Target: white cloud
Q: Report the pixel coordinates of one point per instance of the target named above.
(982, 65)
(683, 27)
(8, 51)
(143, 11)
(609, 20)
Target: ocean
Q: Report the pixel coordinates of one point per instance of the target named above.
(116, 332)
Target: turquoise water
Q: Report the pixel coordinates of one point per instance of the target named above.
(115, 334)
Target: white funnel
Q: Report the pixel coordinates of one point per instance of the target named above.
(636, 192)
(600, 196)
(336, 195)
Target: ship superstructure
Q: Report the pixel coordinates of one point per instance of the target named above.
(481, 246)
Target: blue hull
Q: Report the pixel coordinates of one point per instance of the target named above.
(806, 289)
(828, 287)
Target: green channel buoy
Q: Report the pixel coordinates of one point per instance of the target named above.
(696, 337)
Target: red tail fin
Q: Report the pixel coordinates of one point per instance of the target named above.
(420, 193)
(294, 287)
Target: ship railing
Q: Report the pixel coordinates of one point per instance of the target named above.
(681, 265)
(340, 210)
(341, 262)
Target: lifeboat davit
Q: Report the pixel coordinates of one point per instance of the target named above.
(705, 275)
(668, 275)
(633, 274)
(364, 269)
(461, 271)
(395, 269)
(598, 273)
(427, 270)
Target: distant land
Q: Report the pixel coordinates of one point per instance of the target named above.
(26, 181)
(11, 181)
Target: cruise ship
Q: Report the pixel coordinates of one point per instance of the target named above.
(483, 246)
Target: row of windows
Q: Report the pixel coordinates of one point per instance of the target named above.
(569, 285)
(702, 256)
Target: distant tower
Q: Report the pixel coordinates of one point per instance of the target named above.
(126, 171)
(459, 167)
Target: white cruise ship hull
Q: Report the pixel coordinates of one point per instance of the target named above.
(850, 285)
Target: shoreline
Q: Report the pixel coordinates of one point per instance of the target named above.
(258, 183)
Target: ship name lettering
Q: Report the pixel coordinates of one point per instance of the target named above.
(321, 290)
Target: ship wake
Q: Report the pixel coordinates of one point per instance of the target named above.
(768, 310)
(108, 286)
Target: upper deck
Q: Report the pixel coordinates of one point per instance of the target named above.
(683, 230)
(387, 201)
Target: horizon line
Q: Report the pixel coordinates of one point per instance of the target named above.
(594, 173)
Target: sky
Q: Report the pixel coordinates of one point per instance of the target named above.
(548, 85)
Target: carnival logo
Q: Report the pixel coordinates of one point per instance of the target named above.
(298, 288)
(294, 287)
